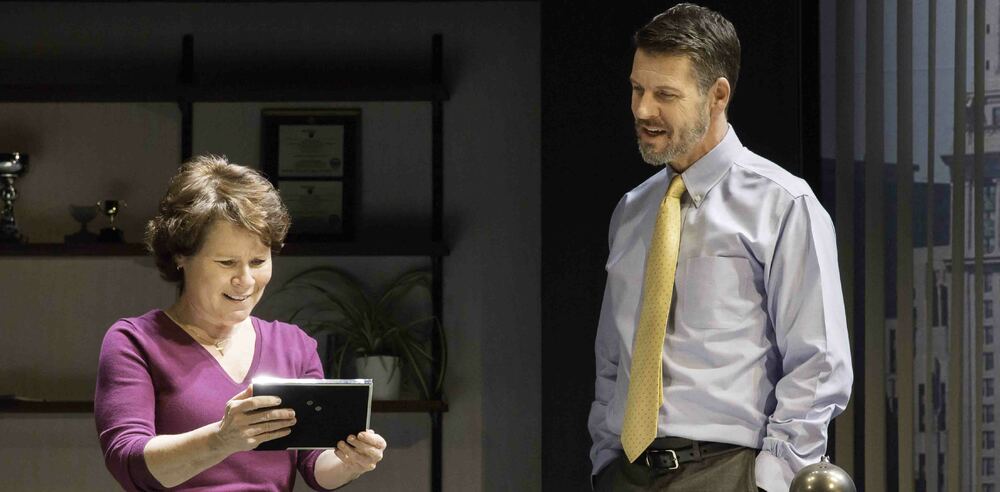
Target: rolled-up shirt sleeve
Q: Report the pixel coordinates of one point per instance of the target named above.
(124, 409)
(806, 307)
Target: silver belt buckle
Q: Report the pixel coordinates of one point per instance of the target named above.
(677, 464)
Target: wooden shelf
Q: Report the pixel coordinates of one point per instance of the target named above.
(409, 406)
(77, 249)
(402, 246)
(21, 406)
(346, 89)
(378, 406)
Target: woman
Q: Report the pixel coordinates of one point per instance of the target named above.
(173, 404)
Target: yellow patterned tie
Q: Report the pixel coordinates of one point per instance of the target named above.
(645, 387)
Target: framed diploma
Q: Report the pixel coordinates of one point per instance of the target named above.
(311, 157)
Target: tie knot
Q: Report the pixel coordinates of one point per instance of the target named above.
(676, 188)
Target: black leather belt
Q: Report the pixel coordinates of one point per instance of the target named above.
(669, 453)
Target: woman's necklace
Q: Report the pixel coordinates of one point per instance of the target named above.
(220, 344)
(199, 335)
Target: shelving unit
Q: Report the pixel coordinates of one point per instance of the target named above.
(87, 406)
(352, 86)
(371, 90)
(371, 247)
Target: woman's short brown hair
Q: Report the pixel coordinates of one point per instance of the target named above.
(209, 188)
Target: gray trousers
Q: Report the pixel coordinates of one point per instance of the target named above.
(728, 472)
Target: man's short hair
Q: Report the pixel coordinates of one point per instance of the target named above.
(701, 34)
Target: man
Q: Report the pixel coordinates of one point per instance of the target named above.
(722, 350)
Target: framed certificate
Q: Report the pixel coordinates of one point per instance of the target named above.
(311, 157)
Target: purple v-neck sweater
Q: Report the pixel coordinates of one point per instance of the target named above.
(153, 378)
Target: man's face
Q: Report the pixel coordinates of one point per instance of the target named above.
(671, 113)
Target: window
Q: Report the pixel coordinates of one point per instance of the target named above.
(988, 334)
(996, 116)
(988, 281)
(990, 225)
(988, 308)
(988, 361)
(921, 409)
(940, 475)
(987, 413)
(987, 387)
(935, 315)
(892, 354)
(940, 408)
(942, 415)
(987, 467)
(944, 305)
(988, 487)
(988, 440)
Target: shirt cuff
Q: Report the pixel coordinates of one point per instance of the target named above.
(773, 474)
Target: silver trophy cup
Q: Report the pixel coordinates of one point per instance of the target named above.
(12, 166)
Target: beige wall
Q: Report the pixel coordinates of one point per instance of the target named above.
(53, 312)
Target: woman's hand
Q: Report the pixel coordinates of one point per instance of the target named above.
(251, 420)
(362, 452)
(173, 459)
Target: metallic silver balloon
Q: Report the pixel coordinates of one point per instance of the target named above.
(823, 476)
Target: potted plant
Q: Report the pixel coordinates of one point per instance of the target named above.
(388, 342)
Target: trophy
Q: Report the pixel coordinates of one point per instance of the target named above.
(823, 476)
(12, 165)
(110, 208)
(83, 215)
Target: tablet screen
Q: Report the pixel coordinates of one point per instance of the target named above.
(326, 410)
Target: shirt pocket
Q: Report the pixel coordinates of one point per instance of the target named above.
(718, 292)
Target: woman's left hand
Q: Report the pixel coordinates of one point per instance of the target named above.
(362, 452)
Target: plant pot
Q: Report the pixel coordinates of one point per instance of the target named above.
(383, 370)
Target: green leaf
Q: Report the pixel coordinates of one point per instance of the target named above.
(414, 367)
(328, 300)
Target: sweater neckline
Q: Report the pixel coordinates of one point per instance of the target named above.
(205, 353)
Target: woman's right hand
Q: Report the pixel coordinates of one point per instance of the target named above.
(251, 420)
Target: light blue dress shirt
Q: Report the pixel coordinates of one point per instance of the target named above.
(756, 351)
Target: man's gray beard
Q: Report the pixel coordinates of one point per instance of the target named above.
(688, 140)
(661, 158)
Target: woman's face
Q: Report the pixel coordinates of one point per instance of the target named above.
(224, 280)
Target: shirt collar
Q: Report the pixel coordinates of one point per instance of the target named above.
(706, 172)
